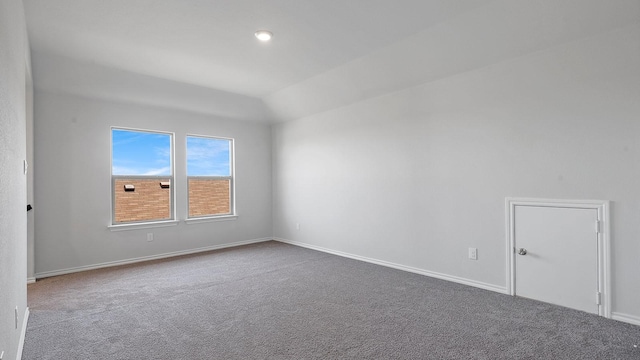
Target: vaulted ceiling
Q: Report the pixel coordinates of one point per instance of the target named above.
(201, 55)
(211, 43)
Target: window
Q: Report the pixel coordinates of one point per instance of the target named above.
(141, 176)
(210, 176)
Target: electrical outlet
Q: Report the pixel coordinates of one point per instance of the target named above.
(297, 226)
(149, 236)
(473, 253)
(16, 313)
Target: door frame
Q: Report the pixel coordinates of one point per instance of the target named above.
(603, 246)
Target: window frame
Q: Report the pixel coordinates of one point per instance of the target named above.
(232, 215)
(172, 195)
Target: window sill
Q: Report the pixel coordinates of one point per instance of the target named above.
(146, 225)
(211, 219)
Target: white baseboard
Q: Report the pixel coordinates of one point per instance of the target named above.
(147, 258)
(23, 334)
(411, 269)
(635, 320)
(31, 280)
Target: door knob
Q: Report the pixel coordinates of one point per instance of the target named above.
(522, 251)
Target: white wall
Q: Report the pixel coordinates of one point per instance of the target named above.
(31, 266)
(418, 175)
(72, 182)
(13, 183)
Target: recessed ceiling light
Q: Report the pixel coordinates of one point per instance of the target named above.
(264, 35)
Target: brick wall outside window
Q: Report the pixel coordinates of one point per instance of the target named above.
(209, 197)
(147, 202)
(150, 202)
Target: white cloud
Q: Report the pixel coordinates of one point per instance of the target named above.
(161, 171)
(122, 170)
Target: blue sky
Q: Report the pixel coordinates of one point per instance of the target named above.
(141, 153)
(208, 156)
(145, 153)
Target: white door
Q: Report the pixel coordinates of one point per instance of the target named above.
(556, 256)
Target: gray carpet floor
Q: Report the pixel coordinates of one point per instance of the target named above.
(277, 301)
